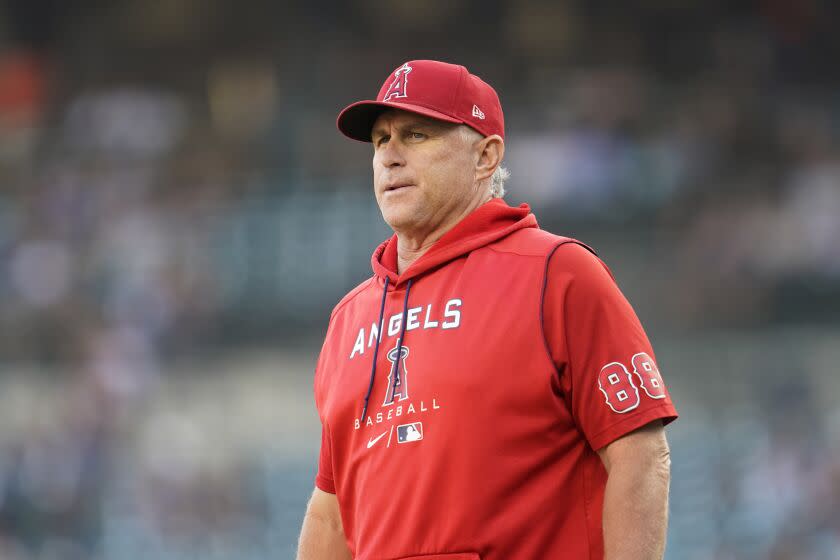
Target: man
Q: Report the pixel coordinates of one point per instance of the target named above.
(488, 393)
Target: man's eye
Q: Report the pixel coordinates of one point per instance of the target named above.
(382, 140)
(417, 135)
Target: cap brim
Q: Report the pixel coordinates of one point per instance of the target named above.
(356, 120)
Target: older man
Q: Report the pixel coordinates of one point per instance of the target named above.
(488, 393)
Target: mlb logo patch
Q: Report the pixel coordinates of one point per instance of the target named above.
(410, 432)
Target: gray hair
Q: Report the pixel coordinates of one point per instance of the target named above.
(497, 182)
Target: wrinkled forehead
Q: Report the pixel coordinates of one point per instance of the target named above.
(399, 118)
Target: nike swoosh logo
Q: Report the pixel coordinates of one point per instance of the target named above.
(372, 441)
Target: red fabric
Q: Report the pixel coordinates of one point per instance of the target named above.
(492, 449)
(324, 478)
(489, 222)
(436, 89)
(581, 292)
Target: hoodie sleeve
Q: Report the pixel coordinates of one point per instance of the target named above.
(324, 478)
(609, 375)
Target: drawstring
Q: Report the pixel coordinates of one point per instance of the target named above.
(400, 340)
(396, 380)
(376, 348)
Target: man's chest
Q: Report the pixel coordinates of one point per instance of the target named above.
(471, 356)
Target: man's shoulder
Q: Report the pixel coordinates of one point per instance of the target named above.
(351, 295)
(535, 242)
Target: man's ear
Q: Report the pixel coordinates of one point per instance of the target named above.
(491, 152)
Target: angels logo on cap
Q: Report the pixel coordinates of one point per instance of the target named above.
(439, 90)
(399, 87)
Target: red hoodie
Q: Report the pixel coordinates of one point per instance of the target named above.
(519, 357)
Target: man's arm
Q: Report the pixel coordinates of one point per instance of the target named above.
(635, 513)
(322, 535)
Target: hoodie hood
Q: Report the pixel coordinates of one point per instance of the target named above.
(489, 222)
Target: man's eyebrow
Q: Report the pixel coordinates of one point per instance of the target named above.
(409, 125)
(378, 131)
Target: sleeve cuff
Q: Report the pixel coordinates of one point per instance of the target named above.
(666, 412)
(325, 484)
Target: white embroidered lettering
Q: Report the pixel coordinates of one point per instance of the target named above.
(452, 313)
(394, 324)
(411, 321)
(374, 334)
(429, 324)
(359, 346)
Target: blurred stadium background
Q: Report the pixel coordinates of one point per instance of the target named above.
(178, 215)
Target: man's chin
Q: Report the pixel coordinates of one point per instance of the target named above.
(400, 219)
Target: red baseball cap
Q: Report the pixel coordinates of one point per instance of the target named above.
(442, 91)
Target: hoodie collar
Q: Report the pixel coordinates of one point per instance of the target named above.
(489, 222)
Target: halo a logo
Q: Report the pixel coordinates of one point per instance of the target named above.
(399, 87)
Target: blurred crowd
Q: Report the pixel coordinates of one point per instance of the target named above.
(119, 192)
(102, 238)
(173, 185)
(757, 481)
(175, 471)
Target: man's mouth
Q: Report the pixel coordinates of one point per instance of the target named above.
(397, 186)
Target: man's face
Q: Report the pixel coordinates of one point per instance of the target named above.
(423, 171)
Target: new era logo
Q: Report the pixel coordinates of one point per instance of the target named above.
(478, 112)
(410, 432)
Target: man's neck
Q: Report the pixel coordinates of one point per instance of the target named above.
(411, 247)
(409, 250)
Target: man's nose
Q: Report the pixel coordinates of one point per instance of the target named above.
(391, 154)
